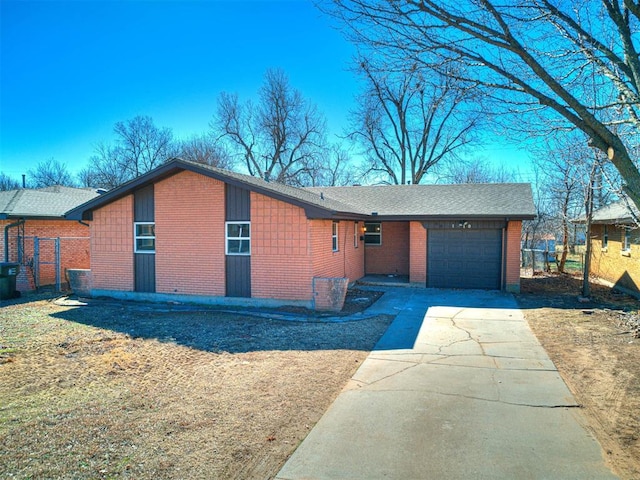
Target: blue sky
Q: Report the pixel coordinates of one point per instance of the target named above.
(70, 69)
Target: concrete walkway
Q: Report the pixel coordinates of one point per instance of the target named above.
(463, 392)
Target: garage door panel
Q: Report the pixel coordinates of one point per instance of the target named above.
(464, 258)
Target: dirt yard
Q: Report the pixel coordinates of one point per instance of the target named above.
(596, 348)
(114, 390)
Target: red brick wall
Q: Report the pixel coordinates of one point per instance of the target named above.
(280, 250)
(74, 248)
(112, 246)
(512, 256)
(418, 253)
(392, 256)
(189, 217)
(354, 254)
(348, 261)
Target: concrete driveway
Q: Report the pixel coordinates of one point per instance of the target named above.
(457, 388)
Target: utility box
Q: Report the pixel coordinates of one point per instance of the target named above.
(8, 273)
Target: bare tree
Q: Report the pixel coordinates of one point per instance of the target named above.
(8, 183)
(407, 122)
(569, 57)
(473, 171)
(204, 149)
(104, 169)
(533, 230)
(564, 164)
(333, 168)
(140, 146)
(48, 173)
(280, 138)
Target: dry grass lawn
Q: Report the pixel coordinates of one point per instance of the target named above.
(116, 390)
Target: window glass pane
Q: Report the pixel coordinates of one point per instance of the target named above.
(145, 244)
(145, 230)
(238, 230)
(238, 246)
(372, 233)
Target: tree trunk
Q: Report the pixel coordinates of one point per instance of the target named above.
(586, 291)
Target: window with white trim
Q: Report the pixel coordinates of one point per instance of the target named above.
(626, 244)
(372, 233)
(605, 237)
(238, 238)
(334, 236)
(144, 240)
(356, 232)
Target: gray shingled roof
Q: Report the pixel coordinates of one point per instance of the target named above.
(300, 194)
(49, 202)
(401, 201)
(621, 212)
(468, 200)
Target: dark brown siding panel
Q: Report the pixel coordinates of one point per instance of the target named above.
(144, 209)
(237, 203)
(238, 267)
(145, 272)
(145, 263)
(238, 280)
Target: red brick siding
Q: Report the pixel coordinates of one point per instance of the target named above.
(189, 217)
(280, 250)
(392, 256)
(418, 253)
(348, 261)
(354, 255)
(112, 246)
(610, 263)
(74, 248)
(512, 256)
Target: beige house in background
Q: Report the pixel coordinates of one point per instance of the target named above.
(615, 245)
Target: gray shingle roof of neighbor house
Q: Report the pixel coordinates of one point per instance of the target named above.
(622, 212)
(427, 201)
(49, 202)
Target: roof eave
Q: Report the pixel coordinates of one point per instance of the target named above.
(408, 217)
(85, 211)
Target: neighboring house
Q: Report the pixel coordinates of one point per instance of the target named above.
(189, 232)
(36, 234)
(615, 247)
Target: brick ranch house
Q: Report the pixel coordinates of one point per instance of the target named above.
(615, 247)
(32, 224)
(190, 232)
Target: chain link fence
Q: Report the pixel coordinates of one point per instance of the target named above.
(535, 261)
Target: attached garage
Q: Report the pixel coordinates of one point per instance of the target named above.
(464, 258)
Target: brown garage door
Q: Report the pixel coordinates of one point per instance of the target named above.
(464, 258)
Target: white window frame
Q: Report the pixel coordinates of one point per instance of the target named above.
(137, 237)
(378, 234)
(335, 245)
(626, 240)
(356, 232)
(227, 238)
(605, 236)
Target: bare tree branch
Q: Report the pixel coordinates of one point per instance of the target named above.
(571, 56)
(281, 138)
